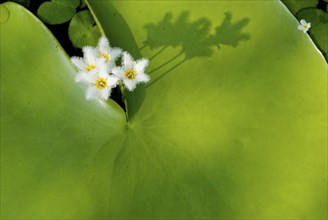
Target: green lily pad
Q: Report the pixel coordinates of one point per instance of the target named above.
(228, 126)
(295, 5)
(83, 30)
(313, 15)
(319, 26)
(50, 135)
(83, 4)
(58, 11)
(231, 126)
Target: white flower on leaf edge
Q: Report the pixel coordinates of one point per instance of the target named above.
(105, 51)
(304, 26)
(90, 62)
(131, 72)
(99, 85)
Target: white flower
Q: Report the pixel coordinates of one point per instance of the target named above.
(106, 52)
(131, 72)
(304, 26)
(89, 63)
(102, 68)
(99, 85)
(99, 82)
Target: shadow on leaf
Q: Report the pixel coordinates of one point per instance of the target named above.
(193, 37)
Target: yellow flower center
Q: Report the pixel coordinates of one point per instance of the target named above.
(90, 67)
(101, 83)
(105, 55)
(130, 74)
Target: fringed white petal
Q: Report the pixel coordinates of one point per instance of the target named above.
(141, 65)
(112, 81)
(130, 84)
(102, 67)
(103, 45)
(142, 77)
(79, 63)
(127, 61)
(80, 77)
(110, 66)
(115, 53)
(91, 93)
(90, 54)
(118, 72)
(105, 93)
(91, 77)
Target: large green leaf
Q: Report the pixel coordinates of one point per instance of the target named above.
(232, 125)
(50, 136)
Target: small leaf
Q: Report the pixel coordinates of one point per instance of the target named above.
(83, 4)
(313, 15)
(295, 5)
(69, 3)
(82, 30)
(57, 11)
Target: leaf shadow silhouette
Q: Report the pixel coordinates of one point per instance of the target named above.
(227, 29)
(193, 37)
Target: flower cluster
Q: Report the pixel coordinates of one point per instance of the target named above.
(98, 70)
